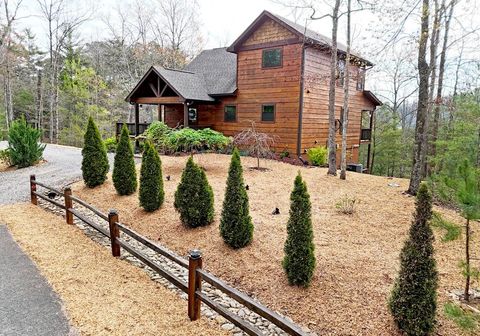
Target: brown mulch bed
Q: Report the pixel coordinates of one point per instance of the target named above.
(102, 295)
(357, 255)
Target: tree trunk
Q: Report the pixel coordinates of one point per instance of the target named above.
(467, 262)
(332, 145)
(346, 97)
(39, 102)
(419, 148)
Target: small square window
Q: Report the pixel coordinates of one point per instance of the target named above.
(268, 112)
(272, 58)
(230, 113)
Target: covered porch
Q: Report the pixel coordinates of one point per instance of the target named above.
(176, 94)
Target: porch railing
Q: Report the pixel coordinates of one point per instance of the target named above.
(131, 128)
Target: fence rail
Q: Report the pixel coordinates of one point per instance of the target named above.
(196, 275)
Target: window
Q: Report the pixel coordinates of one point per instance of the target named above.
(268, 112)
(272, 58)
(340, 72)
(361, 79)
(366, 119)
(230, 113)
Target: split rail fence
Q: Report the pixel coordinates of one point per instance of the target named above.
(196, 275)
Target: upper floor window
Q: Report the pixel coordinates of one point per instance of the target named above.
(268, 112)
(272, 58)
(341, 65)
(361, 79)
(230, 113)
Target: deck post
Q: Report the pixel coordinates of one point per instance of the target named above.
(67, 194)
(33, 189)
(114, 232)
(194, 284)
(185, 114)
(137, 125)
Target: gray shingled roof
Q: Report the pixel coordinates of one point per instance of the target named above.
(189, 85)
(219, 69)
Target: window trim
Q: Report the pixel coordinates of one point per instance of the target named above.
(281, 58)
(224, 113)
(274, 113)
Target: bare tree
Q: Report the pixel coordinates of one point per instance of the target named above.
(420, 145)
(258, 144)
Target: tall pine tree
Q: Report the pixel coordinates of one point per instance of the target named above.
(151, 192)
(413, 301)
(124, 172)
(94, 157)
(194, 197)
(299, 260)
(236, 226)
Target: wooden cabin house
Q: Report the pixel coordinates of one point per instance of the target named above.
(275, 74)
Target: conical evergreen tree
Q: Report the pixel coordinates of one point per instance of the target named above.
(194, 197)
(413, 301)
(94, 157)
(299, 260)
(151, 192)
(236, 225)
(124, 172)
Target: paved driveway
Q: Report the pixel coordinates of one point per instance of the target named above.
(63, 166)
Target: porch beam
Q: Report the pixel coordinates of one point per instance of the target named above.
(163, 90)
(137, 126)
(159, 100)
(185, 114)
(155, 91)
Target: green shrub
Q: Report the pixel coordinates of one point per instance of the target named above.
(24, 147)
(124, 173)
(453, 231)
(236, 226)
(110, 144)
(94, 162)
(299, 260)
(415, 289)
(318, 155)
(151, 192)
(5, 156)
(168, 140)
(284, 154)
(194, 197)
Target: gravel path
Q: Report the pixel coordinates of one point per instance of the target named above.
(28, 305)
(62, 166)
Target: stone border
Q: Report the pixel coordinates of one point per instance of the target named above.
(181, 273)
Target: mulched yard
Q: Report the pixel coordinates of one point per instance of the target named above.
(102, 295)
(357, 255)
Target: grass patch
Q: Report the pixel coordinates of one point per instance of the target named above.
(467, 321)
(453, 231)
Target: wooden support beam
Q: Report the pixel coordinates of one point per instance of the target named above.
(114, 232)
(185, 114)
(194, 284)
(67, 193)
(159, 100)
(33, 189)
(155, 91)
(137, 126)
(163, 90)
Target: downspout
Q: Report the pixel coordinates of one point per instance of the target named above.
(300, 107)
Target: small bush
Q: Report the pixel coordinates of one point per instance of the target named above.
(5, 157)
(347, 205)
(94, 157)
(151, 182)
(318, 155)
(110, 144)
(299, 260)
(236, 226)
(284, 154)
(24, 147)
(415, 289)
(124, 173)
(453, 231)
(194, 197)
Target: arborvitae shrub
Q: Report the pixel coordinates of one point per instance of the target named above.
(94, 162)
(194, 197)
(151, 181)
(24, 147)
(124, 172)
(299, 260)
(236, 225)
(413, 301)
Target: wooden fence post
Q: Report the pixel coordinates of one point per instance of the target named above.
(194, 284)
(33, 189)
(67, 194)
(114, 232)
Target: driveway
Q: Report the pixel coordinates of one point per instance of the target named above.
(62, 167)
